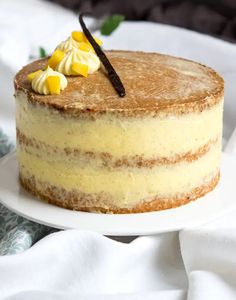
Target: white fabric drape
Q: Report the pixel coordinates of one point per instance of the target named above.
(194, 264)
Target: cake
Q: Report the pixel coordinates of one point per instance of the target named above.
(156, 148)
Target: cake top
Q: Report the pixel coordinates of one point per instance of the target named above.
(153, 83)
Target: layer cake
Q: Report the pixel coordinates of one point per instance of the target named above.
(88, 149)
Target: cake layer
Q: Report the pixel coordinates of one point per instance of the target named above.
(104, 159)
(127, 186)
(150, 137)
(154, 83)
(76, 200)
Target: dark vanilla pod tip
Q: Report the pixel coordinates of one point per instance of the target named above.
(112, 75)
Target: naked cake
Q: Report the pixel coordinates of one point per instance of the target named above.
(85, 148)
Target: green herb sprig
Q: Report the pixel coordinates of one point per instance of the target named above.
(42, 52)
(111, 23)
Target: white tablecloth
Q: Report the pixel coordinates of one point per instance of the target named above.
(193, 264)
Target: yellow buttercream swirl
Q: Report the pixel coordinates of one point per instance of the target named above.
(78, 56)
(39, 84)
(68, 45)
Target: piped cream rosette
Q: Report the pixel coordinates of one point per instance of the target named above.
(73, 57)
(47, 81)
(78, 62)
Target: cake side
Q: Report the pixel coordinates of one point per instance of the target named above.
(96, 167)
(75, 200)
(118, 137)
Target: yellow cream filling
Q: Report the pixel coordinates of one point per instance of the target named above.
(125, 186)
(148, 136)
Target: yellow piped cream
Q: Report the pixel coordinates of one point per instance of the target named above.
(68, 45)
(69, 58)
(40, 83)
(78, 56)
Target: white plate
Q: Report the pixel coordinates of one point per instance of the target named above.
(213, 205)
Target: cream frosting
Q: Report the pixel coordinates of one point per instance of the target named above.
(78, 56)
(39, 84)
(68, 45)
